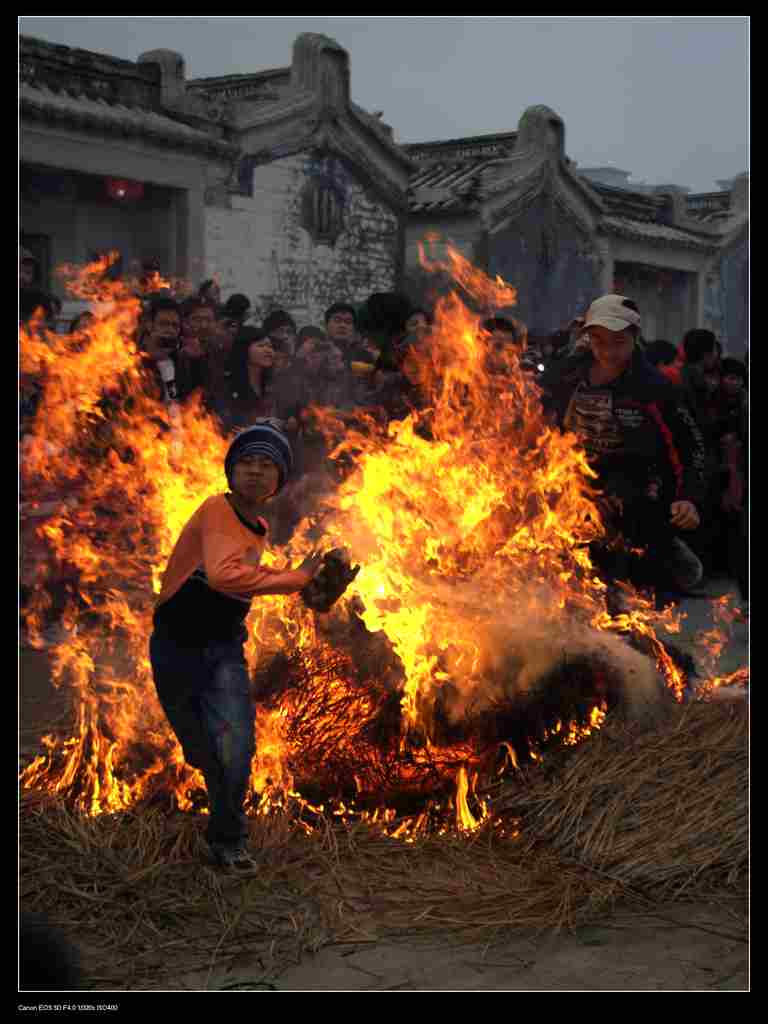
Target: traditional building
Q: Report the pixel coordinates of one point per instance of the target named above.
(280, 185)
(516, 205)
(318, 209)
(115, 156)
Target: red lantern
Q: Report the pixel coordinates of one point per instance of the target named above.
(124, 190)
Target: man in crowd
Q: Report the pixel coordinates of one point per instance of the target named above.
(234, 313)
(734, 442)
(204, 354)
(161, 341)
(722, 543)
(32, 298)
(642, 441)
(419, 322)
(660, 353)
(341, 327)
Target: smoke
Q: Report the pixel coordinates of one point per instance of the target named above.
(524, 642)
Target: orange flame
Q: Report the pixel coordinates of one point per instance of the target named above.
(471, 518)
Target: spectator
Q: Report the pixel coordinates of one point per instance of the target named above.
(32, 298)
(341, 327)
(383, 320)
(210, 291)
(734, 445)
(203, 357)
(251, 369)
(721, 543)
(161, 341)
(642, 441)
(280, 328)
(150, 282)
(55, 314)
(698, 353)
(503, 336)
(419, 322)
(660, 353)
(235, 312)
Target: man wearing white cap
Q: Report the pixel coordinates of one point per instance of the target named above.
(642, 441)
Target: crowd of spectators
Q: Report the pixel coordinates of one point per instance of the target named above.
(666, 427)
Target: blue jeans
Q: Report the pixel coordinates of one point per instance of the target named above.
(205, 693)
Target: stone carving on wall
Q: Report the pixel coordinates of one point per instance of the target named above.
(322, 210)
(364, 255)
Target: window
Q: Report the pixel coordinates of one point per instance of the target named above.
(323, 211)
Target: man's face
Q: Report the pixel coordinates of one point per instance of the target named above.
(313, 355)
(201, 323)
(416, 324)
(341, 327)
(26, 274)
(255, 477)
(284, 334)
(612, 349)
(165, 329)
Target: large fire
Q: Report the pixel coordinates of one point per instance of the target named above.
(471, 519)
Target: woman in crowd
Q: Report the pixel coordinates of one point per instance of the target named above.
(251, 369)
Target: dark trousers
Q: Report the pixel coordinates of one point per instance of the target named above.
(668, 563)
(205, 693)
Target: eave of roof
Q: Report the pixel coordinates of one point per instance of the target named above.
(449, 185)
(660, 233)
(98, 115)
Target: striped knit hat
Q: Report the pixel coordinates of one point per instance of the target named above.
(265, 437)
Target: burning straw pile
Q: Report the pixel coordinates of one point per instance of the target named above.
(640, 819)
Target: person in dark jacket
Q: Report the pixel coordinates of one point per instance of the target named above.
(642, 441)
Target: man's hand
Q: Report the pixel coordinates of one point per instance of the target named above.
(684, 515)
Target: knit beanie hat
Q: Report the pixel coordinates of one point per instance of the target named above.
(265, 437)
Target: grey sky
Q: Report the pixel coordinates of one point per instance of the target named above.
(664, 98)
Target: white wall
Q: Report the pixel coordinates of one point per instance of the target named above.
(260, 248)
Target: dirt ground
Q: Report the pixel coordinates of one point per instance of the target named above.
(694, 947)
(679, 948)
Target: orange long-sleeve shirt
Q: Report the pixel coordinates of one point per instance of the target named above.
(214, 572)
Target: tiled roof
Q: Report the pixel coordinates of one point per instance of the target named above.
(449, 172)
(622, 202)
(446, 186)
(42, 102)
(709, 207)
(644, 229)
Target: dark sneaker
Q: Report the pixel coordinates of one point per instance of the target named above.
(236, 857)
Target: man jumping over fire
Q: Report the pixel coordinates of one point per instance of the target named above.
(196, 648)
(643, 443)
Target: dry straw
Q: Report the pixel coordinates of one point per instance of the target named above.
(641, 818)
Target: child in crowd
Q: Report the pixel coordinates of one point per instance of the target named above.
(196, 648)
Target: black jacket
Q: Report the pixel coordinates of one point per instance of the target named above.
(654, 434)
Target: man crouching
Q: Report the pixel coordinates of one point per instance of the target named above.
(196, 648)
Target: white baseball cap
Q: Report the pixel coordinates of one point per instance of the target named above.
(614, 312)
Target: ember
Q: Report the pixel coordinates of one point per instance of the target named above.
(474, 638)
